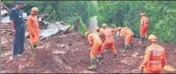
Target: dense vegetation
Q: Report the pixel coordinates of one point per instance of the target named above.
(121, 13)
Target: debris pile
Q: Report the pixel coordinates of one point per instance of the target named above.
(53, 29)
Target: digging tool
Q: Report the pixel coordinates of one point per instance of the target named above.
(169, 68)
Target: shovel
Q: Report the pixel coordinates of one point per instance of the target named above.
(169, 68)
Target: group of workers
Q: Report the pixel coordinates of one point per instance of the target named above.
(103, 38)
(18, 28)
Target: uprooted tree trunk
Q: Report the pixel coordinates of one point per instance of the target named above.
(76, 25)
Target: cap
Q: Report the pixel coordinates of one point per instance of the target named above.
(152, 38)
(20, 2)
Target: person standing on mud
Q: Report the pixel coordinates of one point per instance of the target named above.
(33, 27)
(154, 58)
(144, 24)
(95, 43)
(109, 40)
(127, 34)
(18, 28)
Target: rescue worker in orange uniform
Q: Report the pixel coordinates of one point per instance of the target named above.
(144, 25)
(95, 43)
(154, 58)
(109, 40)
(33, 27)
(127, 34)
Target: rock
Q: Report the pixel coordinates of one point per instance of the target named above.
(87, 71)
(6, 54)
(123, 55)
(59, 52)
(62, 46)
(136, 71)
(124, 61)
(122, 50)
(175, 51)
(136, 55)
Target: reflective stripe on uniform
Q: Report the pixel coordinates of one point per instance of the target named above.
(155, 61)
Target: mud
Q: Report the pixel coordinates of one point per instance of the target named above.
(68, 53)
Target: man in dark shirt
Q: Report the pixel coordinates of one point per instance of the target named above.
(17, 23)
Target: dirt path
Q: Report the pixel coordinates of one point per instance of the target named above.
(69, 53)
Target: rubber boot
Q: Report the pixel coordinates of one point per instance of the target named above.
(92, 64)
(15, 56)
(35, 46)
(126, 47)
(142, 39)
(100, 58)
(145, 39)
(32, 47)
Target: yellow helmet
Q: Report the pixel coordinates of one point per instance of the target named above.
(87, 33)
(119, 28)
(104, 25)
(34, 9)
(152, 37)
(142, 14)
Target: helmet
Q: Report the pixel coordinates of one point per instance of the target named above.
(152, 38)
(87, 33)
(20, 2)
(142, 14)
(119, 28)
(34, 9)
(104, 25)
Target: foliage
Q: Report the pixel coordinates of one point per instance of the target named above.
(121, 13)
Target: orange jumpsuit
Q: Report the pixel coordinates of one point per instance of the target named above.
(33, 28)
(127, 34)
(144, 26)
(95, 42)
(109, 40)
(154, 59)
